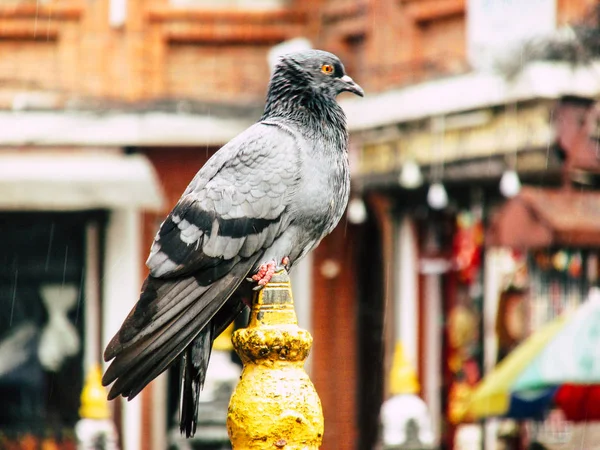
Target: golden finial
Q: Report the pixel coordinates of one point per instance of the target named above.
(403, 379)
(275, 405)
(223, 341)
(93, 396)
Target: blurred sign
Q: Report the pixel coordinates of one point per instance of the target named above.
(503, 133)
(496, 27)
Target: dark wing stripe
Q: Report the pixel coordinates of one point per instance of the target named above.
(208, 276)
(179, 251)
(237, 228)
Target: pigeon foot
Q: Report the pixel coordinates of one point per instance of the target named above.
(264, 274)
(266, 271)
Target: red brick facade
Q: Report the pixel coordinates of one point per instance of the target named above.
(69, 48)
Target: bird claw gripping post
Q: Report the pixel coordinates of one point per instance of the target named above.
(275, 405)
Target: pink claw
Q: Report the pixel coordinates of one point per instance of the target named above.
(265, 273)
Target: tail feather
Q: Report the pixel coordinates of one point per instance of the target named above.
(144, 320)
(148, 365)
(135, 367)
(142, 353)
(195, 364)
(167, 338)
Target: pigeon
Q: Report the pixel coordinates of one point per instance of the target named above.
(260, 203)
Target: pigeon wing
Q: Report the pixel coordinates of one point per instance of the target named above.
(234, 209)
(232, 212)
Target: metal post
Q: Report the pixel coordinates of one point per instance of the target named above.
(275, 405)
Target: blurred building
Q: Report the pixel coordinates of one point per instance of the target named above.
(109, 107)
(439, 160)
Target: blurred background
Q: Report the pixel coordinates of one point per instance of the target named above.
(474, 218)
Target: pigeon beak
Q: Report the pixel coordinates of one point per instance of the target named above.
(351, 86)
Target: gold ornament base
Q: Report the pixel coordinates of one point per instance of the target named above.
(275, 405)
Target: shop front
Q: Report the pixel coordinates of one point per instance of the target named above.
(434, 181)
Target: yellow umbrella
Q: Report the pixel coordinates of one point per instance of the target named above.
(492, 396)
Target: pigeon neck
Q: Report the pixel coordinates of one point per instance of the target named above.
(300, 103)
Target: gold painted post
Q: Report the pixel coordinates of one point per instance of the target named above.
(96, 424)
(275, 405)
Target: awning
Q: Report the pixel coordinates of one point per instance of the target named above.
(62, 180)
(73, 128)
(538, 218)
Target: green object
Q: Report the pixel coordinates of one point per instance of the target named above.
(492, 396)
(566, 350)
(573, 356)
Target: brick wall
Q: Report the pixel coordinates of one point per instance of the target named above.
(68, 47)
(215, 54)
(392, 43)
(20, 62)
(216, 73)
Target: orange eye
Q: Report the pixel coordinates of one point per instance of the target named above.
(327, 69)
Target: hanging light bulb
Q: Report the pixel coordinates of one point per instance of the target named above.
(437, 197)
(410, 175)
(510, 185)
(357, 211)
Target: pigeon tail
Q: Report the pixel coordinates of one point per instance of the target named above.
(172, 317)
(194, 366)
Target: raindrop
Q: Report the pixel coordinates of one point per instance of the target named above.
(14, 295)
(79, 296)
(549, 139)
(37, 7)
(48, 25)
(346, 220)
(50, 388)
(49, 247)
(65, 264)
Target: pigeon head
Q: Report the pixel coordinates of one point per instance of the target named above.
(322, 72)
(312, 77)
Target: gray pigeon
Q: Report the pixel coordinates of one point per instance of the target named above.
(263, 201)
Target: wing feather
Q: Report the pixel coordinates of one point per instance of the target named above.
(140, 360)
(232, 211)
(247, 194)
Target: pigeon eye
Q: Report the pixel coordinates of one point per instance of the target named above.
(327, 69)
